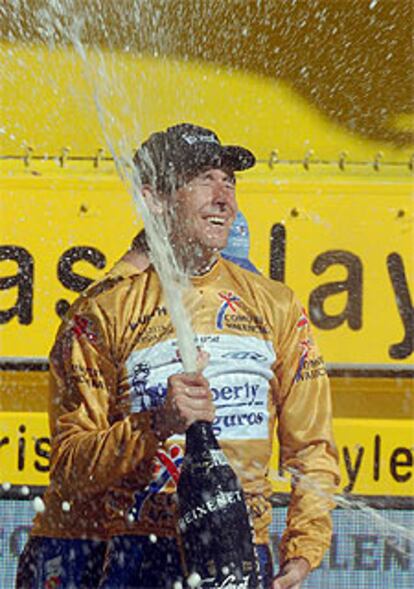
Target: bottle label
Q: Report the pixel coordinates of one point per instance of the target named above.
(210, 459)
(218, 458)
(229, 582)
(219, 501)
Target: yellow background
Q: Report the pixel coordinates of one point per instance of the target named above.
(52, 211)
(354, 434)
(315, 83)
(55, 208)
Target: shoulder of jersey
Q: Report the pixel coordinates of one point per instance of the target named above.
(273, 287)
(113, 281)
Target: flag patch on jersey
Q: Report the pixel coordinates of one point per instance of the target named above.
(166, 470)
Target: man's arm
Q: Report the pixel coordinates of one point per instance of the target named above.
(307, 449)
(90, 451)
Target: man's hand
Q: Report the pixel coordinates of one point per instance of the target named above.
(188, 399)
(292, 574)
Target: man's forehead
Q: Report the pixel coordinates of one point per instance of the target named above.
(220, 172)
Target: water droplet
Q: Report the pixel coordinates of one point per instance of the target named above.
(194, 580)
(38, 505)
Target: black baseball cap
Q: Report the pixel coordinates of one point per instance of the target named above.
(169, 157)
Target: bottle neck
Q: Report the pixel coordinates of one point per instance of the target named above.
(200, 437)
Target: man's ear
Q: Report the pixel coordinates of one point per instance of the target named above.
(152, 200)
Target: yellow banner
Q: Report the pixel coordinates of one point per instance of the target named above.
(24, 448)
(344, 243)
(376, 456)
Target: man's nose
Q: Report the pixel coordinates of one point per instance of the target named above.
(222, 193)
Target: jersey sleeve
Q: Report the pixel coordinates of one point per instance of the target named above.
(89, 451)
(307, 448)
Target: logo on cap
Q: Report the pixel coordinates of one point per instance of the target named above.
(191, 139)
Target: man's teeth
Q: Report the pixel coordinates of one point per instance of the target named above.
(216, 220)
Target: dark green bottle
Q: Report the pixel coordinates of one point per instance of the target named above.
(214, 523)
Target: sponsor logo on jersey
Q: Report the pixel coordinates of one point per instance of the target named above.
(166, 470)
(241, 425)
(245, 355)
(147, 317)
(145, 397)
(90, 376)
(237, 395)
(305, 346)
(229, 301)
(312, 368)
(82, 325)
(239, 371)
(233, 313)
(308, 368)
(207, 339)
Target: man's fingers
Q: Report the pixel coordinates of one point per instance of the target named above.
(194, 392)
(195, 379)
(192, 403)
(189, 385)
(189, 399)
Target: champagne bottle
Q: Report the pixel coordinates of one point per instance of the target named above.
(214, 524)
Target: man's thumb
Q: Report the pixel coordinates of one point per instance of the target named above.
(283, 582)
(202, 359)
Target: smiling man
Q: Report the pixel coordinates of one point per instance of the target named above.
(121, 402)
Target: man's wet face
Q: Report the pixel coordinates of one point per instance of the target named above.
(203, 212)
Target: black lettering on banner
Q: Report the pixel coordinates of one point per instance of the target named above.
(4, 441)
(352, 312)
(21, 454)
(401, 458)
(377, 457)
(352, 470)
(334, 563)
(70, 279)
(42, 450)
(40, 446)
(23, 281)
(367, 552)
(364, 552)
(277, 252)
(18, 539)
(393, 551)
(405, 308)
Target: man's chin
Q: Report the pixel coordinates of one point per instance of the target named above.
(215, 244)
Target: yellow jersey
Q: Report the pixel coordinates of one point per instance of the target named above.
(116, 348)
